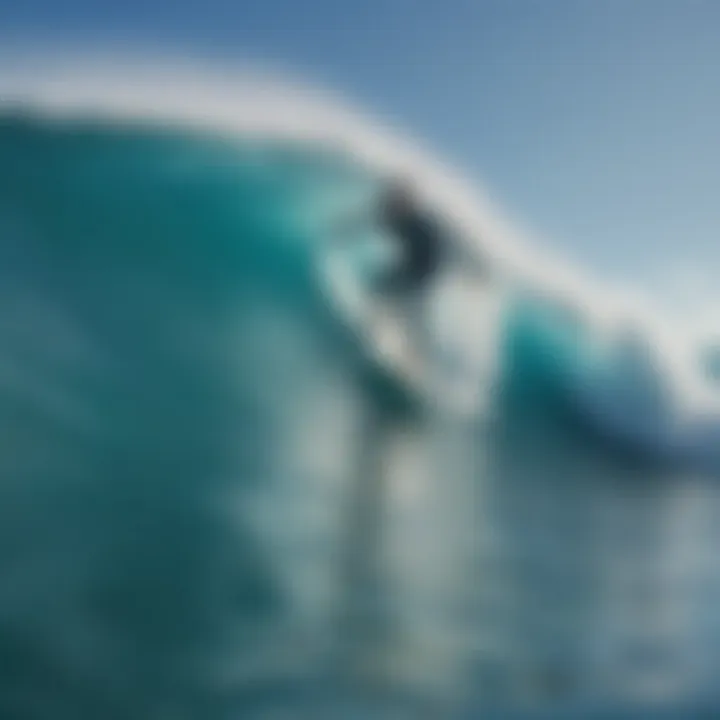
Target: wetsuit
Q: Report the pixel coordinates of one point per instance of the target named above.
(420, 242)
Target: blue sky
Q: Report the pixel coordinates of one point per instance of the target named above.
(595, 122)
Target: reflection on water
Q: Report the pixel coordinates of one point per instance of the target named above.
(506, 562)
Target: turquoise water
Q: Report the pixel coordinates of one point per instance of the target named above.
(213, 504)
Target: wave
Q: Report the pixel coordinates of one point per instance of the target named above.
(188, 416)
(626, 369)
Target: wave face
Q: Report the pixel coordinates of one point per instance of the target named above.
(212, 504)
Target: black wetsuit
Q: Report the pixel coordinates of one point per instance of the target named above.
(420, 242)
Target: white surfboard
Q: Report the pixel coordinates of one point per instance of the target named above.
(383, 330)
(375, 320)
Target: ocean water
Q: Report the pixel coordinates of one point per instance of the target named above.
(215, 504)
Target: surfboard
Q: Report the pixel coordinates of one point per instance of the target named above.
(377, 322)
(381, 327)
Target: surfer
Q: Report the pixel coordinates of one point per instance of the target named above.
(402, 290)
(418, 236)
(420, 241)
